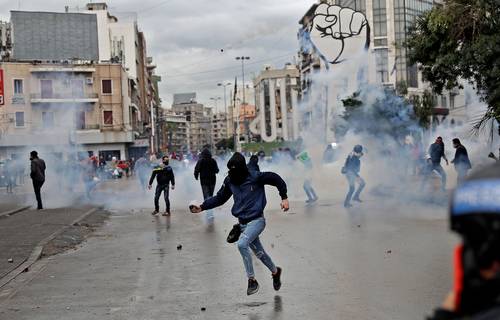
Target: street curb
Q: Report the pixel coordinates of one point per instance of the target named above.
(13, 211)
(37, 252)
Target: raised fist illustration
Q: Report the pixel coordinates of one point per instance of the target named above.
(337, 32)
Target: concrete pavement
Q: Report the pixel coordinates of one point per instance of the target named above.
(22, 232)
(379, 260)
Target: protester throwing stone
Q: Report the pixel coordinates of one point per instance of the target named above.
(247, 189)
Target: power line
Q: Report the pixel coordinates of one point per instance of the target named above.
(225, 68)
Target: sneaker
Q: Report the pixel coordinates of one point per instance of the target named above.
(357, 200)
(166, 213)
(277, 279)
(253, 287)
(155, 213)
(347, 205)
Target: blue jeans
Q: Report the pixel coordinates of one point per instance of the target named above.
(308, 188)
(249, 239)
(159, 190)
(351, 179)
(439, 169)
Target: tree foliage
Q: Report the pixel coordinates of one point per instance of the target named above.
(460, 40)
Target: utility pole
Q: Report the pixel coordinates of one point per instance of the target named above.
(224, 85)
(243, 58)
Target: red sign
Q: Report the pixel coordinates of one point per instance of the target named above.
(1, 88)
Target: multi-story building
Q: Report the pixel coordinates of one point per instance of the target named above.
(219, 127)
(276, 93)
(198, 118)
(122, 41)
(247, 114)
(389, 22)
(176, 128)
(62, 108)
(92, 37)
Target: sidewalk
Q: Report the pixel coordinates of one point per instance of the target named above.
(22, 232)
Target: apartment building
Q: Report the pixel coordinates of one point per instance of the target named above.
(61, 108)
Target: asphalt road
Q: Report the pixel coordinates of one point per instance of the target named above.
(379, 260)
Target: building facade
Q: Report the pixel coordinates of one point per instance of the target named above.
(387, 66)
(198, 118)
(276, 92)
(63, 108)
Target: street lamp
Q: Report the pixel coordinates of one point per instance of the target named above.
(224, 85)
(243, 58)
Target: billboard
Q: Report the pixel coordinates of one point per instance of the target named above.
(54, 36)
(1, 88)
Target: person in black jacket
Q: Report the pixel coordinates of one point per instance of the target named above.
(164, 177)
(206, 168)
(248, 192)
(461, 161)
(38, 176)
(436, 152)
(351, 170)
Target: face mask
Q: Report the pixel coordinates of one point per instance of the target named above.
(238, 175)
(165, 163)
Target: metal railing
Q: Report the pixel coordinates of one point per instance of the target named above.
(64, 95)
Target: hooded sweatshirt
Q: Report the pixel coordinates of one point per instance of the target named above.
(247, 189)
(206, 168)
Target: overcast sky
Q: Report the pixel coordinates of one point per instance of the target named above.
(194, 43)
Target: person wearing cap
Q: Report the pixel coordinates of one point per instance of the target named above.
(248, 192)
(38, 176)
(475, 217)
(164, 177)
(351, 170)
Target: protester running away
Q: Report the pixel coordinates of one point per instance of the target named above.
(351, 171)
(38, 176)
(248, 191)
(461, 161)
(436, 152)
(475, 217)
(205, 170)
(306, 160)
(164, 178)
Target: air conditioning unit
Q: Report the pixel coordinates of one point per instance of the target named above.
(89, 81)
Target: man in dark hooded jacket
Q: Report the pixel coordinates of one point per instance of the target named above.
(248, 192)
(206, 168)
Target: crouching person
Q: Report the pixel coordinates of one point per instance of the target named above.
(247, 189)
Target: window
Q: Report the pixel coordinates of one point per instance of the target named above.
(19, 119)
(443, 101)
(379, 18)
(80, 120)
(46, 89)
(452, 101)
(77, 88)
(382, 62)
(48, 119)
(18, 86)
(108, 118)
(107, 86)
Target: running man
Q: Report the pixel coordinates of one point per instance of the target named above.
(247, 189)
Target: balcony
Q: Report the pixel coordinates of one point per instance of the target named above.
(64, 98)
(98, 134)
